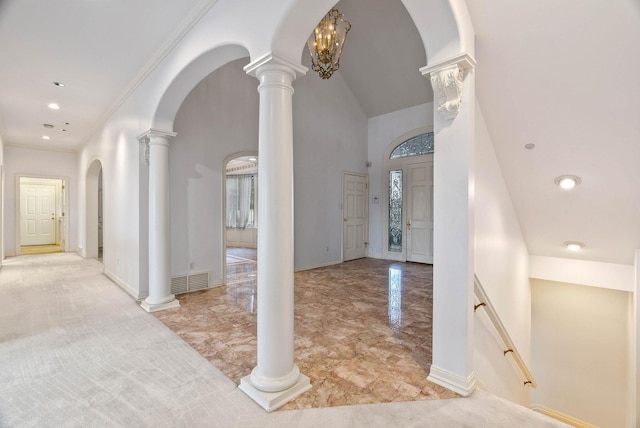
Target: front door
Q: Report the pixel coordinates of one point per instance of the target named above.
(355, 216)
(37, 214)
(420, 212)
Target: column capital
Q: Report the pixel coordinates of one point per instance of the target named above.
(273, 61)
(446, 80)
(145, 139)
(151, 133)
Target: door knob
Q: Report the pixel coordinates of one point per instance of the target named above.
(409, 224)
(345, 219)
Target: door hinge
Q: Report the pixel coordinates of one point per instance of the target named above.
(63, 187)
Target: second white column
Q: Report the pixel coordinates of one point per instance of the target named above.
(276, 379)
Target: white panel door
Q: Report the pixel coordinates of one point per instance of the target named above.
(420, 213)
(37, 214)
(355, 221)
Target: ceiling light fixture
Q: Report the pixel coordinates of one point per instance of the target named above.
(567, 182)
(326, 43)
(252, 159)
(54, 106)
(58, 84)
(46, 137)
(47, 125)
(574, 245)
(529, 146)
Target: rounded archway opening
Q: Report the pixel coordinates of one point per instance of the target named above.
(241, 213)
(93, 211)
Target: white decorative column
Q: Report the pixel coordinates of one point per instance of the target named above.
(453, 265)
(157, 156)
(276, 379)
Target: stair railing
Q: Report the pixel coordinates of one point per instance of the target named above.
(510, 347)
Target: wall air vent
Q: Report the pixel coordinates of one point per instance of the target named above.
(187, 283)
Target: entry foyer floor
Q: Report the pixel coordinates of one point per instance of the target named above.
(362, 329)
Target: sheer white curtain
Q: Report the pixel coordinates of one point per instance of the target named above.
(238, 200)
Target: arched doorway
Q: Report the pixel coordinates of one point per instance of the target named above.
(240, 201)
(408, 169)
(93, 211)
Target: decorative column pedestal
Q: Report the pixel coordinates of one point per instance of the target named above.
(276, 379)
(157, 157)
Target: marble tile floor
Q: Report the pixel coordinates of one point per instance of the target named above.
(77, 351)
(363, 330)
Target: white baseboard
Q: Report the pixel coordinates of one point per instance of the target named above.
(216, 283)
(461, 385)
(300, 269)
(126, 287)
(562, 417)
(374, 256)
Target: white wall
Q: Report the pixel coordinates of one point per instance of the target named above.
(329, 138)
(117, 148)
(579, 351)
(38, 163)
(220, 118)
(217, 119)
(384, 130)
(501, 265)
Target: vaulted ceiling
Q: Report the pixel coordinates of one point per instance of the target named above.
(559, 75)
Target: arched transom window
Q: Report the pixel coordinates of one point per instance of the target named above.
(419, 145)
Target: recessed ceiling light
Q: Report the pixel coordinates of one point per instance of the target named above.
(529, 146)
(58, 84)
(46, 137)
(54, 106)
(574, 245)
(66, 123)
(47, 125)
(567, 181)
(63, 130)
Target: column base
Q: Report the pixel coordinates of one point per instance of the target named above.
(270, 401)
(452, 381)
(151, 307)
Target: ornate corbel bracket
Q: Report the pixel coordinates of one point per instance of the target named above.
(145, 142)
(446, 80)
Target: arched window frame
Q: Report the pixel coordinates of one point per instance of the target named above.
(422, 144)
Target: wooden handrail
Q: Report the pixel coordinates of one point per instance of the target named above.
(502, 331)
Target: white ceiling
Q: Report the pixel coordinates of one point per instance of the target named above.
(95, 48)
(560, 75)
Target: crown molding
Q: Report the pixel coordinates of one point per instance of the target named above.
(34, 147)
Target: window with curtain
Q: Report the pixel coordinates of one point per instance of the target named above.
(241, 204)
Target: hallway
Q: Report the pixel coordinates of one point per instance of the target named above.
(75, 350)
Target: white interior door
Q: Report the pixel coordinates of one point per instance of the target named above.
(420, 212)
(355, 221)
(37, 214)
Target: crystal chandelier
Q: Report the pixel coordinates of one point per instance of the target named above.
(326, 43)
